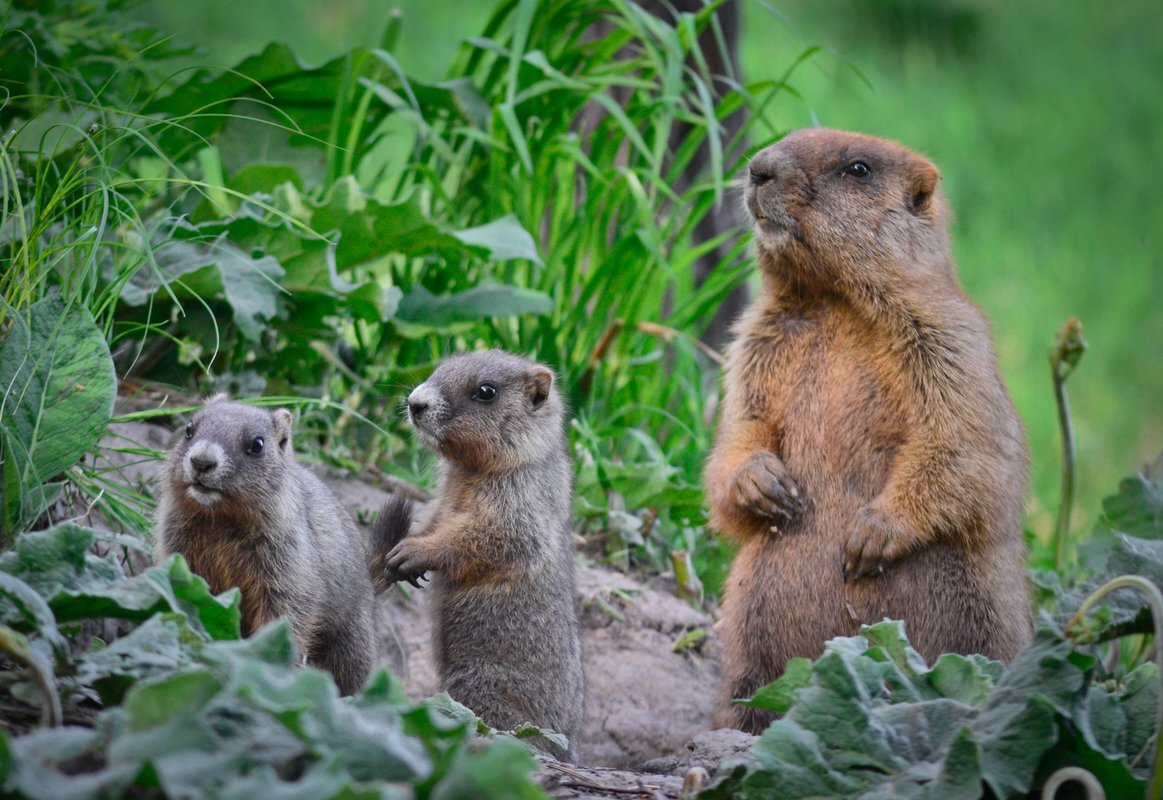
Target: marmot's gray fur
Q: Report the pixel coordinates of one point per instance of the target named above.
(244, 513)
(497, 536)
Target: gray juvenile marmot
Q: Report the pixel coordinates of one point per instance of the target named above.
(497, 536)
(868, 460)
(242, 511)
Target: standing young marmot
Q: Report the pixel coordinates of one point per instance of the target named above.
(497, 536)
(868, 461)
(243, 512)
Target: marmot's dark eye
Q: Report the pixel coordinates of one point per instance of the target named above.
(858, 169)
(255, 448)
(189, 430)
(485, 393)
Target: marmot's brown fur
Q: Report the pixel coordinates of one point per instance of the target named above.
(868, 460)
(243, 512)
(497, 537)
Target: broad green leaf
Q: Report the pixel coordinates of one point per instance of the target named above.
(305, 97)
(58, 392)
(321, 780)
(777, 696)
(1137, 509)
(150, 705)
(1018, 723)
(214, 269)
(1102, 722)
(250, 286)
(383, 688)
(81, 585)
(220, 616)
(863, 726)
(527, 730)
(889, 637)
(367, 229)
(255, 145)
(1130, 555)
(960, 678)
(502, 239)
(45, 766)
(20, 605)
(53, 559)
(1140, 698)
(502, 771)
(421, 307)
(263, 178)
(370, 739)
(960, 776)
(158, 647)
(272, 644)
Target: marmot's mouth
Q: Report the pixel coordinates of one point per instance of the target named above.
(770, 225)
(428, 437)
(203, 495)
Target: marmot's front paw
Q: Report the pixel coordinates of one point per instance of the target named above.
(406, 562)
(763, 487)
(875, 540)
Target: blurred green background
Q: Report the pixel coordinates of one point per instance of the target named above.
(1045, 119)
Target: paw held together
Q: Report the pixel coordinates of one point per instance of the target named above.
(406, 562)
(875, 541)
(764, 487)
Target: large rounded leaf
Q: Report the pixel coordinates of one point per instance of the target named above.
(59, 387)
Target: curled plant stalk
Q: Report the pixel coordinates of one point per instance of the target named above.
(1069, 345)
(1155, 602)
(1089, 783)
(16, 646)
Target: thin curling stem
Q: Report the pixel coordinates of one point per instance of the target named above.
(1069, 346)
(1155, 602)
(1090, 784)
(1066, 427)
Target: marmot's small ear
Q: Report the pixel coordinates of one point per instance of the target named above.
(282, 419)
(220, 397)
(922, 184)
(538, 383)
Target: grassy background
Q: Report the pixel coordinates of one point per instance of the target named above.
(1044, 119)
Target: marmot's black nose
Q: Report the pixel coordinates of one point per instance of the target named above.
(417, 408)
(203, 462)
(762, 168)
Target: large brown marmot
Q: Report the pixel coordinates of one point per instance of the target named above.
(498, 538)
(243, 512)
(868, 460)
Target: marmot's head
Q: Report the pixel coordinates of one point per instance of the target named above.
(832, 207)
(489, 411)
(231, 458)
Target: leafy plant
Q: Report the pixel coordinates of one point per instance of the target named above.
(59, 388)
(185, 708)
(870, 719)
